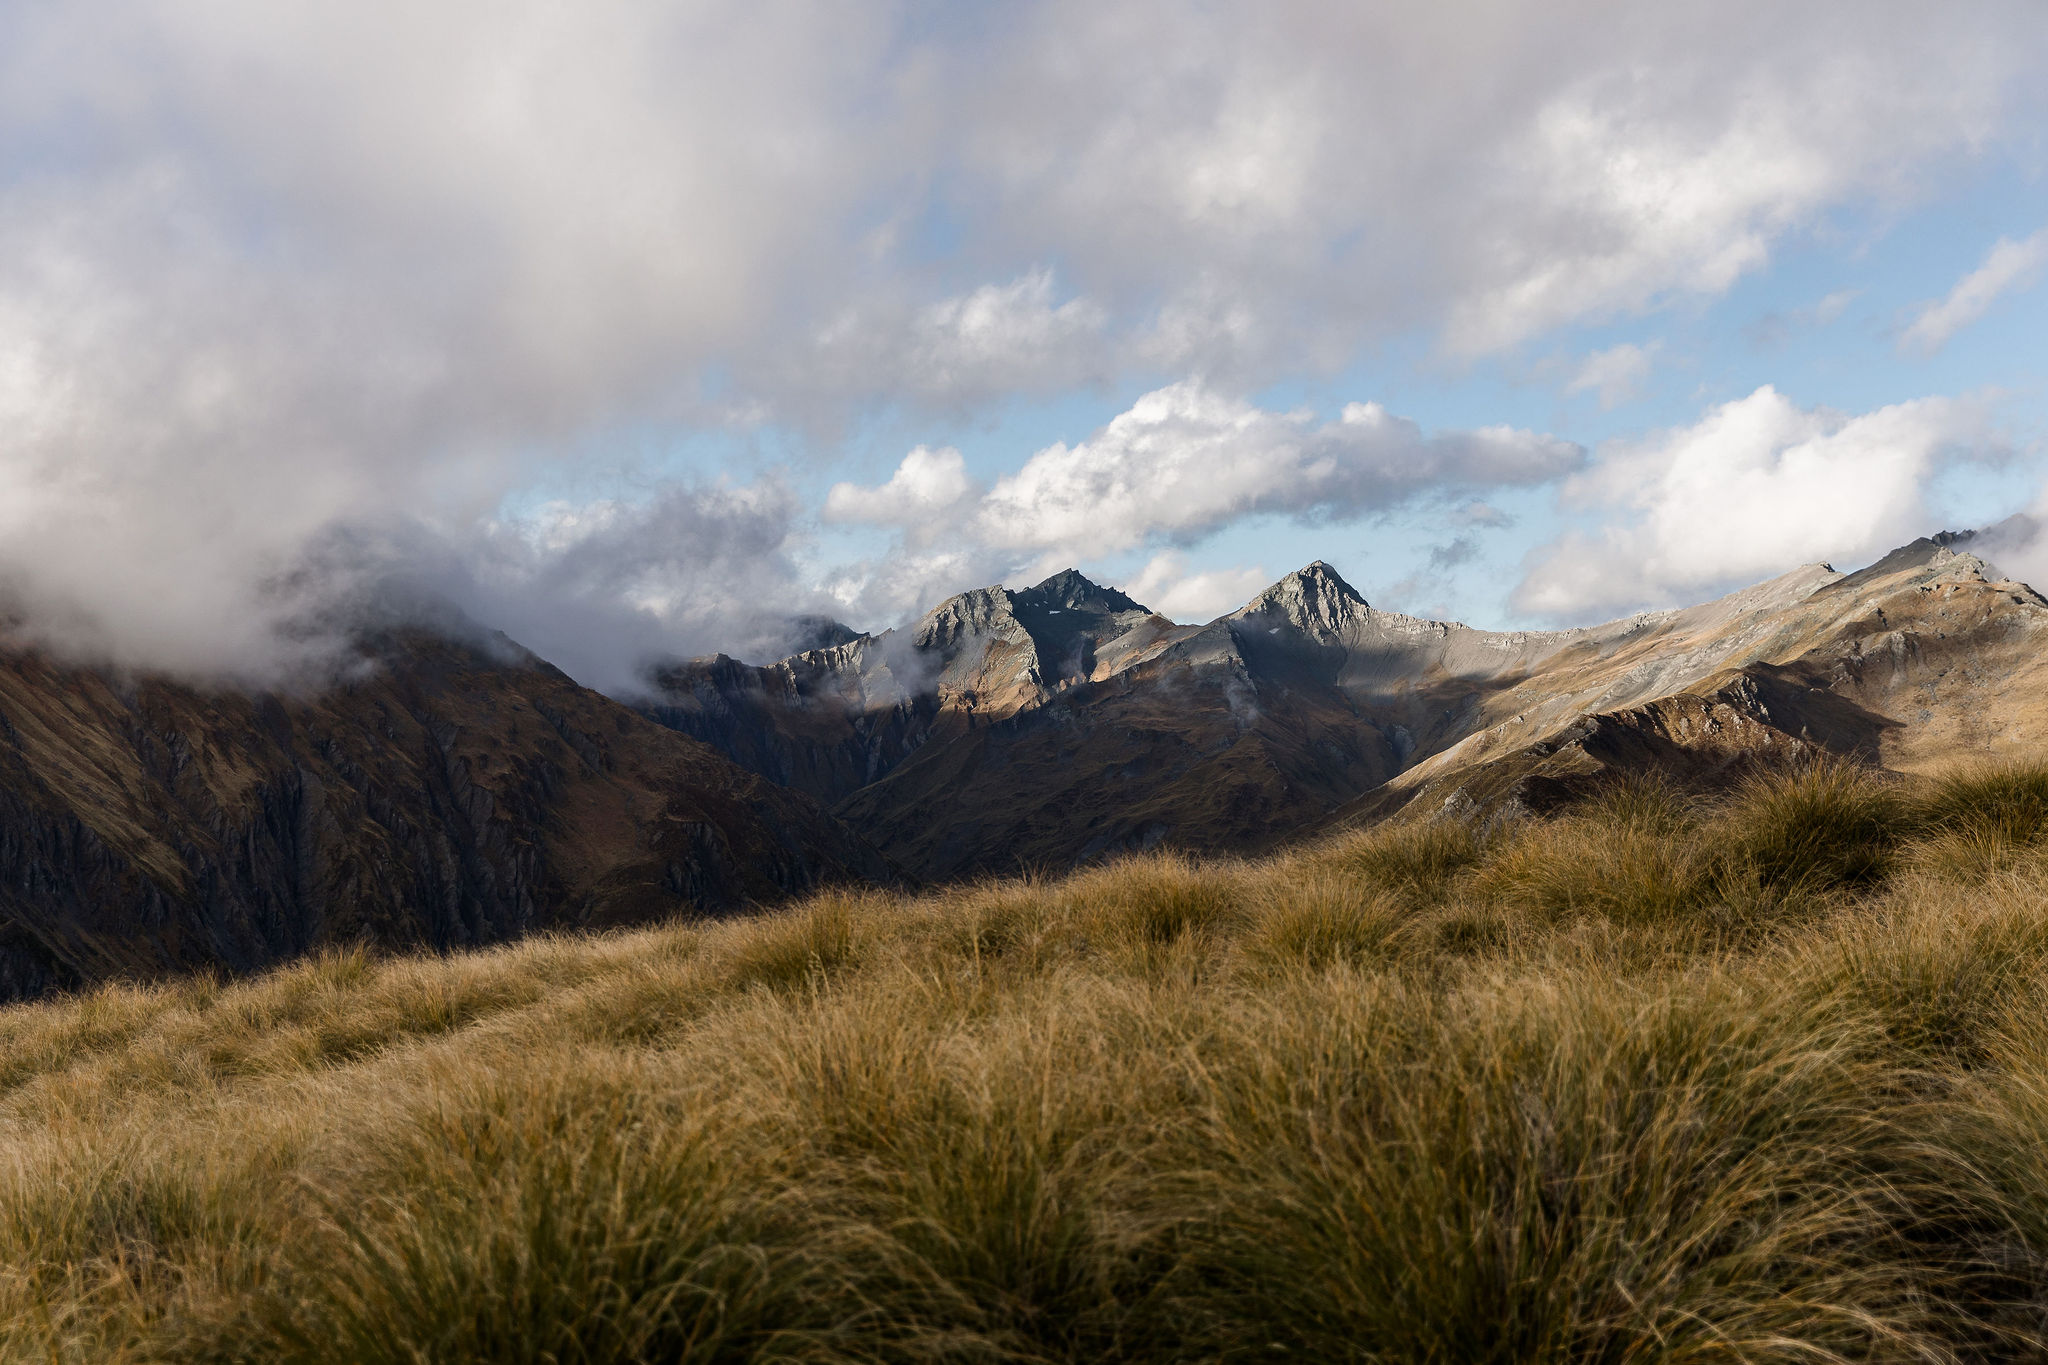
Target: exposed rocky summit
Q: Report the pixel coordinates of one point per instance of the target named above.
(830, 722)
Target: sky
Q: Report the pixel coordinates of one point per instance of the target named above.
(645, 330)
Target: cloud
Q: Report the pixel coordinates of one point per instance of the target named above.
(1168, 586)
(1757, 486)
(1184, 461)
(275, 278)
(928, 483)
(1427, 590)
(1181, 463)
(996, 340)
(1615, 374)
(1462, 550)
(600, 589)
(1578, 161)
(1478, 513)
(2008, 268)
(1774, 327)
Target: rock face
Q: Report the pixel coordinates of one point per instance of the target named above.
(1065, 722)
(454, 794)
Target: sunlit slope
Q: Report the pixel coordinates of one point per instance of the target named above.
(1063, 724)
(1926, 657)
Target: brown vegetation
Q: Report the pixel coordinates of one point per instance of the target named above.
(1657, 1079)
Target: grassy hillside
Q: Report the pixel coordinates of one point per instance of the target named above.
(1766, 1079)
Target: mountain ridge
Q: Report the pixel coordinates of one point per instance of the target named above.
(456, 790)
(1308, 705)
(444, 794)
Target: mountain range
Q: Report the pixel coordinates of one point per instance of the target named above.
(1036, 729)
(454, 790)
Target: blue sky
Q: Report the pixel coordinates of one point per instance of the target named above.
(639, 329)
(1820, 320)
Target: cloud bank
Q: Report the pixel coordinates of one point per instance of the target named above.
(1180, 464)
(277, 279)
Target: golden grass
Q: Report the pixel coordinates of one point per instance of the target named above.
(1658, 1079)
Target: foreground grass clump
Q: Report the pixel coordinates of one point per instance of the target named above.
(1759, 1078)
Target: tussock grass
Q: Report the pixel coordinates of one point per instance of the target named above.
(1660, 1078)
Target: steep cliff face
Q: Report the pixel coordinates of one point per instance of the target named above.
(452, 794)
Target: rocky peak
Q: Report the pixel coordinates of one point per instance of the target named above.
(982, 612)
(1071, 590)
(811, 632)
(1316, 600)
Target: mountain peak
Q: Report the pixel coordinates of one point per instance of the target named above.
(980, 611)
(1314, 598)
(1070, 588)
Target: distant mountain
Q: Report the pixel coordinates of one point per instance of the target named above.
(1064, 722)
(830, 721)
(1928, 656)
(459, 791)
(453, 794)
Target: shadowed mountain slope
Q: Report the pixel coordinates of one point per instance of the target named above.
(1065, 722)
(452, 794)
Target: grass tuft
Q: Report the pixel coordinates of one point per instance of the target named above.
(1824, 826)
(1656, 1078)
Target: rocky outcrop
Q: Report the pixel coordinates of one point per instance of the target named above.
(1927, 657)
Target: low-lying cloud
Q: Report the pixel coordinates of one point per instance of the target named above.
(1169, 585)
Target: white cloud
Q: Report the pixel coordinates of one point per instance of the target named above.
(1832, 306)
(1774, 327)
(1615, 374)
(1170, 587)
(602, 588)
(271, 270)
(1181, 463)
(1757, 486)
(2008, 268)
(993, 341)
(998, 337)
(1480, 513)
(928, 483)
(1184, 461)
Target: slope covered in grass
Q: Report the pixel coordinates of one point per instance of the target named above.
(1657, 1080)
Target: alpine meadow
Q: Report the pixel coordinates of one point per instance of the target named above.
(1757, 1077)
